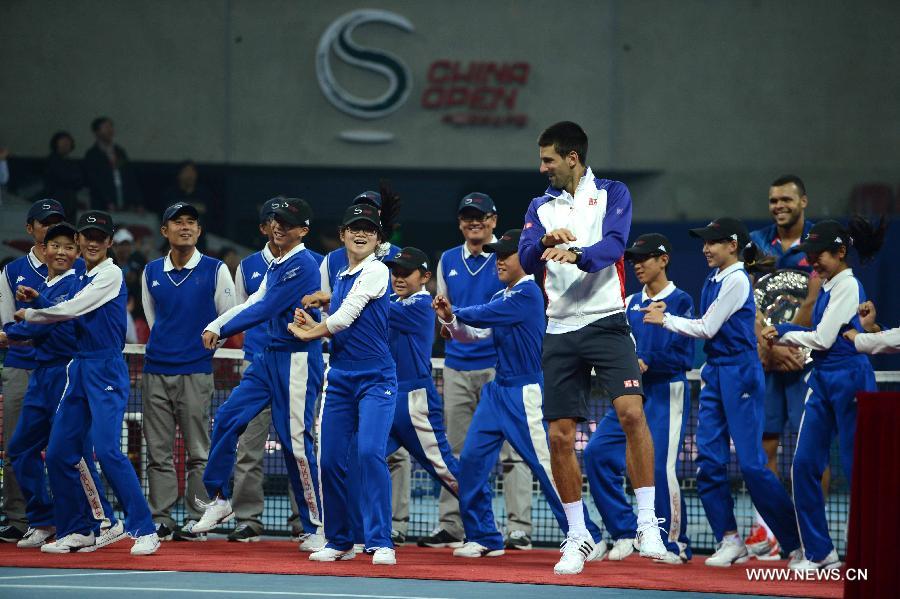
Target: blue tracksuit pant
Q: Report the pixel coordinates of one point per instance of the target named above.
(830, 408)
(419, 428)
(45, 388)
(511, 410)
(93, 405)
(667, 407)
(359, 398)
(731, 406)
(290, 382)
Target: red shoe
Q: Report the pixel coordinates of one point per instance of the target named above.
(758, 541)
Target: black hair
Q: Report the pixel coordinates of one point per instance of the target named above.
(390, 208)
(98, 122)
(565, 137)
(756, 262)
(58, 136)
(866, 237)
(788, 179)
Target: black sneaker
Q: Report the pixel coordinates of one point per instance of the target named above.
(244, 533)
(518, 539)
(440, 538)
(186, 533)
(163, 532)
(397, 537)
(11, 534)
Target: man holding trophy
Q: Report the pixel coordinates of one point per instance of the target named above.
(786, 295)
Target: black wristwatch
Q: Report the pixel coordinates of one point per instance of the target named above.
(579, 252)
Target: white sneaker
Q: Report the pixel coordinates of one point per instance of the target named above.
(830, 562)
(575, 551)
(108, 536)
(327, 554)
(145, 544)
(473, 549)
(672, 558)
(796, 556)
(621, 549)
(35, 537)
(214, 513)
(310, 542)
(729, 552)
(359, 548)
(649, 540)
(384, 556)
(69, 543)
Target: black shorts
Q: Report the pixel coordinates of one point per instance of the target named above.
(606, 346)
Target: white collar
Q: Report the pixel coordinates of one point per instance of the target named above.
(409, 297)
(586, 178)
(102, 266)
(724, 273)
(347, 272)
(267, 254)
(468, 254)
(299, 248)
(663, 294)
(54, 280)
(524, 279)
(34, 260)
(192, 262)
(830, 283)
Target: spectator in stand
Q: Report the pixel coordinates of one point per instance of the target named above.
(231, 259)
(127, 258)
(63, 177)
(108, 172)
(4, 169)
(187, 188)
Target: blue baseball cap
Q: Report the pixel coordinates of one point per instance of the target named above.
(373, 198)
(478, 201)
(179, 208)
(44, 209)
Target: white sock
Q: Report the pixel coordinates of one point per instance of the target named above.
(221, 501)
(575, 518)
(733, 538)
(646, 497)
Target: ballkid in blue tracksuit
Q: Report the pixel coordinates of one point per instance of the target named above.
(360, 392)
(664, 358)
(731, 395)
(419, 415)
(839, 372)
(54, 347)
(95, 397)
(287, 374)
(510, 406)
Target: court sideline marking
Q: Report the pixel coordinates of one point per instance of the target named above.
(62, 587)
(88, 574)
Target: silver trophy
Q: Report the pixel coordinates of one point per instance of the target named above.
(779, 296)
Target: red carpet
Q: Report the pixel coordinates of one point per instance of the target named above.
(535, 567)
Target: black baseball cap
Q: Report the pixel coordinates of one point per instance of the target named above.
(179, 208)
(478, 201)
(825, 235)
(366, 212)
(649, 244)
(267, 210)
(722, 229)
(63, 228)
(293, 211)
(373, 198)
(95, 219)
(44, 209)
(410, 258)
(507, 244)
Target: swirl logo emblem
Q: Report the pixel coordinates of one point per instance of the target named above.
(338, 37)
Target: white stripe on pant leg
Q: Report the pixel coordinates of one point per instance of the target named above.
(66, 388)
(533, 401)
(793, 480)
(417, 403)
(90, 491)
(297, 388)
(676, 412)
(319, 445)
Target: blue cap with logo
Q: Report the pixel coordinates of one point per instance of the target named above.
(179, 208)
(478, 201)
(44, 209)
(373, 198)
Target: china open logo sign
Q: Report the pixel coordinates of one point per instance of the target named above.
(338, 37)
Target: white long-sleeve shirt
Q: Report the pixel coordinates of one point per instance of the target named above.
(372, 283)
(731, 297)
(885, 342)
(843, 303)
(104, 288)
